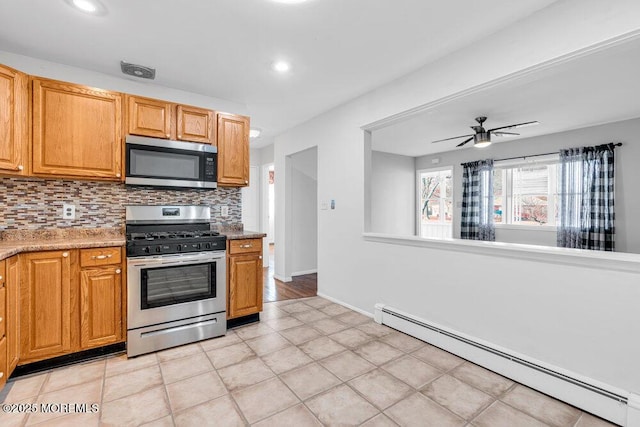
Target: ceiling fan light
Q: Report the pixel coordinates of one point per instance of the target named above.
(481, 140)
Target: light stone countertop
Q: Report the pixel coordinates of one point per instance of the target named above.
(236, 235)
(13, 243)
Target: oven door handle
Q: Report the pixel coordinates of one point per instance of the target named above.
(169, 260)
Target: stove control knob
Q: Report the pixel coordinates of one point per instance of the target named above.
(158, 248)
(146, 249)
(208, 245)
(178, 247)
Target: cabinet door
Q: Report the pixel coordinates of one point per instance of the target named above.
(45, 304)
(14, 121)
(195, 125)
(13, 303)
(245, 285)
(150, 117)
(77, 131)
(233, 150)
(100, 306)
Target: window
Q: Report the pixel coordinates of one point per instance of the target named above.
(435, 203)
(526, 194)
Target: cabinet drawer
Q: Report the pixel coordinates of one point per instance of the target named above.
(3, 273)
(3, 313)
(100, 256)
(245, 246)
(3, 362)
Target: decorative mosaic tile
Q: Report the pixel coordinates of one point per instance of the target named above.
(32, 203)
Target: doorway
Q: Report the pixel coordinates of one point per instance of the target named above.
(302, 228)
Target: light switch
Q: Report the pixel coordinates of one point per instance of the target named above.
(224, 210)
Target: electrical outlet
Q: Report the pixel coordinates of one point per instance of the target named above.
(224, 210)
(68, 211)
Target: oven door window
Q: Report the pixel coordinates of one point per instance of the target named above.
(174, 285)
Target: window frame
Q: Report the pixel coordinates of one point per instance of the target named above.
(507, 191)
(418, 209)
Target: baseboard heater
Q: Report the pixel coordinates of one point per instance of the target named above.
(615, 405)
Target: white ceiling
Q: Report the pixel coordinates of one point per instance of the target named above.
(602, 87)
(338, 49)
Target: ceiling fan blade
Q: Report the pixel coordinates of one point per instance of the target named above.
(448, 139)
(464, 142)
(500, 133)
(517, 125)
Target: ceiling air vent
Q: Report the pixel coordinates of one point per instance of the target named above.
(138, 70)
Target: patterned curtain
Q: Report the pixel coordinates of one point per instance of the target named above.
(477, 201)
(586, 214)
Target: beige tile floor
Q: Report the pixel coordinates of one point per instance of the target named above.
(307, 363)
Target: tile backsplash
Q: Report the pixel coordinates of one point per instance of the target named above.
(37, 203)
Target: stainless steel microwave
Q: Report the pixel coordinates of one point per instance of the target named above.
(164, 163)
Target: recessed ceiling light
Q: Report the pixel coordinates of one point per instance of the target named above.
(281, 66)
(93, 7)
(254, 133)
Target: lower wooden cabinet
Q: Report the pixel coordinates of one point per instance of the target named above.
(4, 372)
(3, 362)
(65, 308)
(100, 306)
(46, 294)
(12, 312)
(244, 277)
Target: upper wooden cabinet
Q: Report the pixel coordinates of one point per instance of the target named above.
(14, 122)
(162, 119)
(149, 117)
(195, 124)
(233, 150)
(77, 131)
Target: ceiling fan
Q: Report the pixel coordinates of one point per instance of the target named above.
(482, 138)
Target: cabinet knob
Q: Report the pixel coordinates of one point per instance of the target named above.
(246, 246)
(20, 167)
(0, 277)
(1, 374)
(246, 181)
(118, 271)
(118, 175)
(65, 254)
(168, 135)
(260, 257)
(102, 256)
(0, 319)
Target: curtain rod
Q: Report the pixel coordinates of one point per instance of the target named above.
(619, 144)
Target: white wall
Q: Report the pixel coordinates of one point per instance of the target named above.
(581, 319)
(251, 200)
(41, 68)
(393, 194)
(627, 175)
(304, 212)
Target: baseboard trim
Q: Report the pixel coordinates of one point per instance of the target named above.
(68, 359)
(302, 273)
(282, 278)
(593, 396)
(349, 306)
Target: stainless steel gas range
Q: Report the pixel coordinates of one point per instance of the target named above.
(176, 277)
